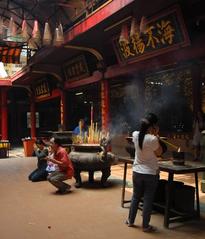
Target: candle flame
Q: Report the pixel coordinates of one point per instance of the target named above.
(179, 149)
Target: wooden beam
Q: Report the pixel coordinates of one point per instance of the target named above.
(96, 18)
(5, 82)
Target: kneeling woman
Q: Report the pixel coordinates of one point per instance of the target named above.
(41, 152)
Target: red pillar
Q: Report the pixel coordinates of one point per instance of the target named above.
(33, 118)
(4, 114)
(105, 104)
(63, 109)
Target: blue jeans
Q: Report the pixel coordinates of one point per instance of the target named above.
(144, 185)
(37, 175)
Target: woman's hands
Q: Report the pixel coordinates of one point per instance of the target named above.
(154, 130)
(35, 147)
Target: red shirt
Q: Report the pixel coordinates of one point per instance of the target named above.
(62, 156)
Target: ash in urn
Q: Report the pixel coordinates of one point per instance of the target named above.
(178, 158)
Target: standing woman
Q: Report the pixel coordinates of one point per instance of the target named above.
(41, 152)
(145, 170)
(198, 127)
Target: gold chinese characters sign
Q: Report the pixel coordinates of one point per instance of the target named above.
(76, 68)
(164, 33)
(42, 90)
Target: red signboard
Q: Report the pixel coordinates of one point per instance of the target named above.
(164, 32)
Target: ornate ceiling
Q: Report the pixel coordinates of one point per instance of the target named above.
(52, 11)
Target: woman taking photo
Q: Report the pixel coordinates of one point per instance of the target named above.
(145, 170)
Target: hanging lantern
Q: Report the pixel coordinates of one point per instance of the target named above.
(14, 30)
(11, 29)
(58, 37)
(36, 35)
(24, 31)
(32, 45)
(61, 35)
(124, 38)
(1, 27)
(60, 27)
(134, 27)
(143, 25)
(47, 37)
(11, 22)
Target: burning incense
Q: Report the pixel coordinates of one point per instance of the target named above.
(80, 128)
(170, 144)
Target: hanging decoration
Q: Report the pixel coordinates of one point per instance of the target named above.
(134, 29)
(58, 37)
(60, 27)
(24, 31)
(47, 37)
(1, 28)
(143, 25)
(124, 38)
(11, 33)
(35, 41)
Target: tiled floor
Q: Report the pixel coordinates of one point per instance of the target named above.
(32, 210)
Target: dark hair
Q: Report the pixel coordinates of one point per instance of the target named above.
(40, 141)
(149, 120)
(152, 118)
(57, 141)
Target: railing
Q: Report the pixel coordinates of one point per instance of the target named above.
(90, 7)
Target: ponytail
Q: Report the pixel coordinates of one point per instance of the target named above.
(148, 121)
(143, 130)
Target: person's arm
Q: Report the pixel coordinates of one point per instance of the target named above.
(42, 154)
(63, 158)
(158, 152)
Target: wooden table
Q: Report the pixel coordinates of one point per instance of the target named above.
(171, 169)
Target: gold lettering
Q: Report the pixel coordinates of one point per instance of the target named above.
(138, 44)
(125, 49)
(152, 40)
(81, 67)
(166, 31)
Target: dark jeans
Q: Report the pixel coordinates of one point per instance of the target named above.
(56, 178)
(37, 175)
(144, 185)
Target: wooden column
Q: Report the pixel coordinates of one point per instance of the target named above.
(33, 117)
(4, 114)
(105, 104)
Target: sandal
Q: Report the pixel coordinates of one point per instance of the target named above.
(129, 224)
(149, 229)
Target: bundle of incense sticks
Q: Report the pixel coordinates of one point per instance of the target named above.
(93, 136)
(170, 144)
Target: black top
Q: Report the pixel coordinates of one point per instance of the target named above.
(41, 154)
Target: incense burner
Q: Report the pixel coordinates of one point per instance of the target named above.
(178, 158)
(91, 158)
